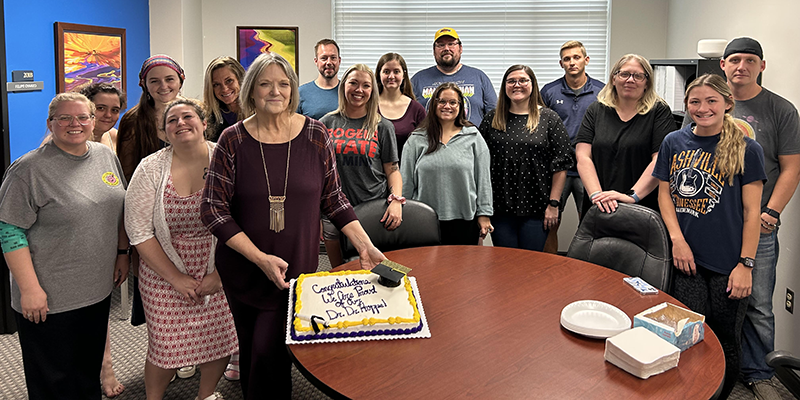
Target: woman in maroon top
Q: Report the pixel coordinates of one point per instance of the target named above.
(397, 100)
(279, 156)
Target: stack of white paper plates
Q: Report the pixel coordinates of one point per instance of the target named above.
(594, 319)
(641, 352)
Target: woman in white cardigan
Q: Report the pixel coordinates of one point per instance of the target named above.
(188, 318)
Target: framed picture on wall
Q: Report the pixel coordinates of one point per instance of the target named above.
(251, 41)
(87, 54)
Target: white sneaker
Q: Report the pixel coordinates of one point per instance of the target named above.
(213, 396)
(186, 372)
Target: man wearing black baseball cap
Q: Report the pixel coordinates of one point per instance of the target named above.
(773, 121)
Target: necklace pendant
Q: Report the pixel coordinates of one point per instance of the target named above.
(276, 213)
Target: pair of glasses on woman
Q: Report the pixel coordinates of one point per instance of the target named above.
(451, 103)
(66, 120)
(637, 76)
(521, 82)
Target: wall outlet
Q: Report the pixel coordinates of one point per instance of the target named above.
(789, 301)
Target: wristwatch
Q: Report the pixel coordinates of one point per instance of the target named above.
(633, 195)
(772, 213)
(555, 203)
(124, 251)
(747, 262)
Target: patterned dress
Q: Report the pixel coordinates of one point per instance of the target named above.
(179, 333)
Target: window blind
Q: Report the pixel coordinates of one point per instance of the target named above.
(494, 34)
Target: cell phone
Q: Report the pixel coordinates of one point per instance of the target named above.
(640, 285)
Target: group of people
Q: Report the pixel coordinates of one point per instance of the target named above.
(179, 191)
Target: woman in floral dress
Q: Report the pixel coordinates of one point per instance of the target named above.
(188, 318)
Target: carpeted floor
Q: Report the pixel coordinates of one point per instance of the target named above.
(128, 349)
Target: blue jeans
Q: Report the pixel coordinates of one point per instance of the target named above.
(518, 232)
(758, 333)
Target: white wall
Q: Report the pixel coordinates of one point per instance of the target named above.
(194, 32)
(192, 51)
(175, 30)
(220, 19)
(774, 24)
(638, 27)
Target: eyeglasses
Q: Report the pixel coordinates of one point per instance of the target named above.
(66, 120)
(443, 45)
(443, 102)
(514, 82)
(637, 76)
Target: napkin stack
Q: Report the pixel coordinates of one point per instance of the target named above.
(641, 352)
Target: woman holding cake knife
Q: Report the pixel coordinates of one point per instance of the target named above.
(277, 155)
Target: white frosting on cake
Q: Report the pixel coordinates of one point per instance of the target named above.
(352, 303)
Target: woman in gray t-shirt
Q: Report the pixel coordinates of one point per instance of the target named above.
(366, 152)
(63, 240)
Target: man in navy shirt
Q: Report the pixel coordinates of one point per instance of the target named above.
(570, 96)
(321, 95)
(479, 94)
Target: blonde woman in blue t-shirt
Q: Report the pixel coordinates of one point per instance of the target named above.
(711, 176)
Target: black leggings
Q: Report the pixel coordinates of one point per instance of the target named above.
(705, 293)
(460, 231)
(62, 356)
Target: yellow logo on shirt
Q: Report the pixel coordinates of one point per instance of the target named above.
(110, 179)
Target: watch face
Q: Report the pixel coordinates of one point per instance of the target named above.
(555, 203)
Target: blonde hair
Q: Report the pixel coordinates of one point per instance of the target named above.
(608, 95)
(729, 155)
(373, 117)
(504, 102)
(210, 101)
(571, 45)
(66, 97)
(63, 98)
(258, 66)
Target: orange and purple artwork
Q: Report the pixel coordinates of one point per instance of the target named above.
(91, 58)
(253, 41)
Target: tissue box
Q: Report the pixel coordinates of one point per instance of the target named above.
(677, 325)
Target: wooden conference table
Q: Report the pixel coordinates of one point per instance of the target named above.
(494, 316)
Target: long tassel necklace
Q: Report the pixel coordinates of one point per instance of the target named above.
(277, 220)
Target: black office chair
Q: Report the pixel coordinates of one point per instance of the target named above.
(420, 227)
(786, 368)
(632, 240)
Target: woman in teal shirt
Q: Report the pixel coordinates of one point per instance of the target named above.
(446, 165)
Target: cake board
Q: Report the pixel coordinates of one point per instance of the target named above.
(425, 332)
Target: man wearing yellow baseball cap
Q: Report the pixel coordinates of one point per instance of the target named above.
(479, 95)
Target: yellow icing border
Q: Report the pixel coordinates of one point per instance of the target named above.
(298, 290)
